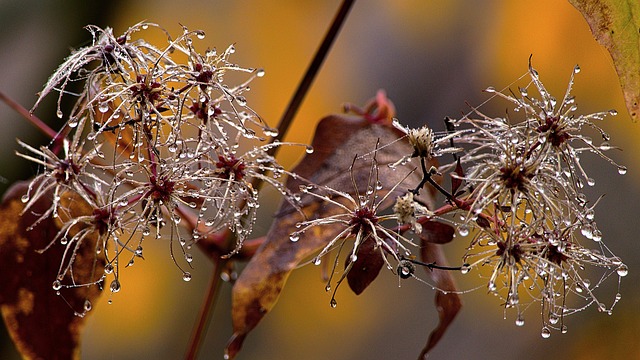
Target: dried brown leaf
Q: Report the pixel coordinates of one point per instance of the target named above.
(456, 181)
(336, 141)
(615, 24)
(42, 324)
(447, 302)
(435, 232)
(366, 267)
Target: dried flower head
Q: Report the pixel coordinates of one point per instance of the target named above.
(151, 145)
(408, 211)
(358, 216)
(531, 263)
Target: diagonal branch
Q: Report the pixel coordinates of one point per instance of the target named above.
(312, 71)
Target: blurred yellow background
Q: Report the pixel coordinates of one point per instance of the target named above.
(431, 57)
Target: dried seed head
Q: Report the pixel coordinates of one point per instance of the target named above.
(422, 142)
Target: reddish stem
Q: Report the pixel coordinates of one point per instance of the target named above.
(34, 120)
(205, 311)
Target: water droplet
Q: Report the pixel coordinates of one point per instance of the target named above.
(327, 288)
(241, 100)
(73, 122)
(260, 73)
(591, 182)
(24, 198)
(186, 276)
(623, 270)
(576, 69)
(103, 107)
(563, 329)
(622, 170)
(200, 34)
(294, 237)
(271, 132)
(514, 299)
(309, 149)
(553, 319)
(145, 26)
(354, 258)
(490, 89)
(586, 283)
(333, 303)
(188, 257)
(520, 320)
(613, 112)
(231, 49)
(108, 269)
(115, 286)
(546, 333)
(87, 305)
(57, 285)
(317, 261)
(524, 92)
(465, 268)
(138, 251)
(59, 114)
(463, 230)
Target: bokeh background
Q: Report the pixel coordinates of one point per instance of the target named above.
(431, 57)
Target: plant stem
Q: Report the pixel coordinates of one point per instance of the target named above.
(283, 126)
(205, 312)
(34, 120)
(312, 71)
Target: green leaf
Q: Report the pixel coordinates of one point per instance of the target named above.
(616, 25)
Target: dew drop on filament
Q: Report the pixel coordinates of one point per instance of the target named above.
(115, 286)
(87, 305)
(623, 270)
(546, 333)
(463, 230)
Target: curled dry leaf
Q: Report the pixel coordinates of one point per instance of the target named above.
(447, 302)
(366, 268)
(43, 325)
(336, 141)
(616, 25)
(435, 232)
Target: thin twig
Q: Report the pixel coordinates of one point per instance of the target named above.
(206, 310)
(34, 120)
(312, 71)
(283, 126)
